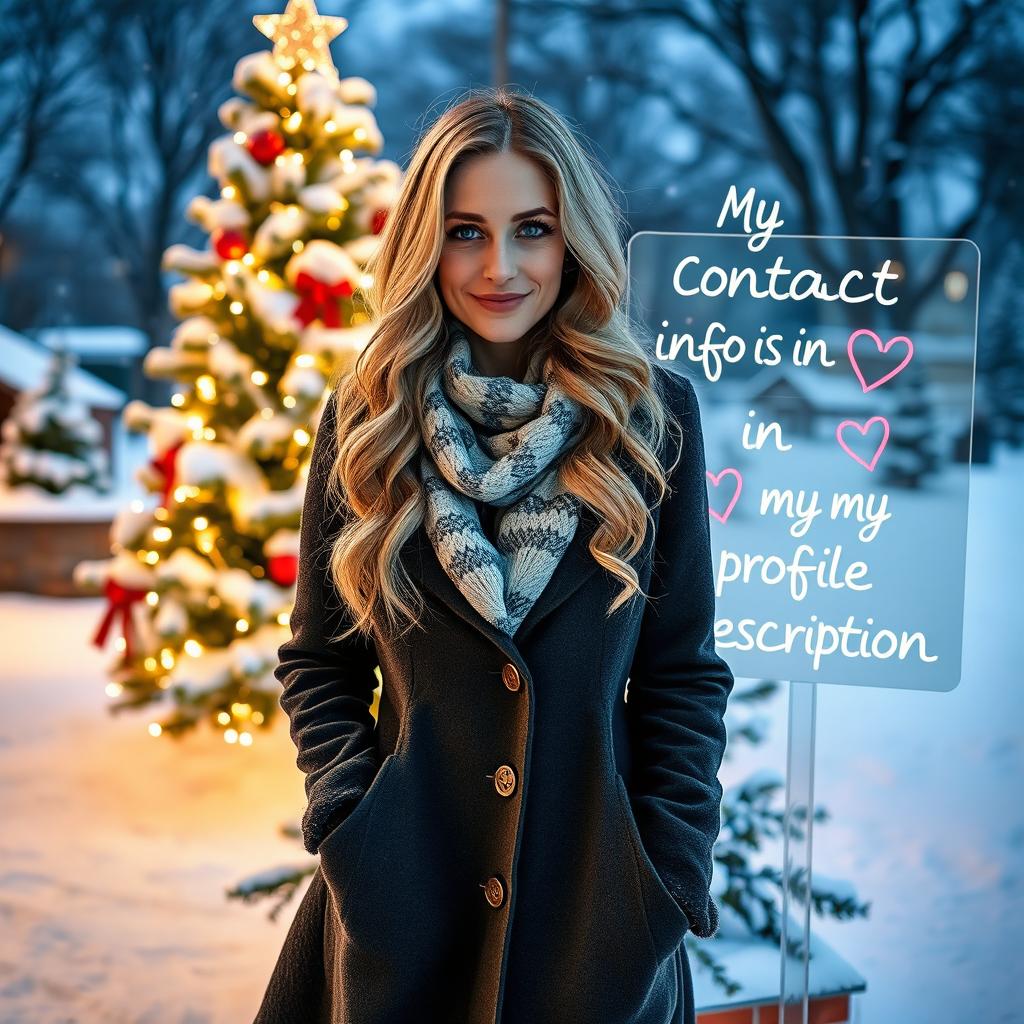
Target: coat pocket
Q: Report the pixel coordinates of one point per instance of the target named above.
(666, 920)
(341, 849)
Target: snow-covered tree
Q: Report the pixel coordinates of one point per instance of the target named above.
(50, 441)
(201, 581)
(910, 454)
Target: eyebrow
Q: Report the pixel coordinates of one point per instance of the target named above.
(483, 220)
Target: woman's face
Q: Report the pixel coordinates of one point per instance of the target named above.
(501, 236)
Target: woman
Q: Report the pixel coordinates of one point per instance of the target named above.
(511, 840)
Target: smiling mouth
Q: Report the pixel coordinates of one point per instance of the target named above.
(497, 305)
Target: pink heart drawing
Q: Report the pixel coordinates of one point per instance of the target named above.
(868, 424)
(865, 387)
(716, 479)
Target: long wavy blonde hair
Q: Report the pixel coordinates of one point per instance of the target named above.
(596, 360)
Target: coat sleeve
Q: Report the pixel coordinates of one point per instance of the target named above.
(328, 686)
(679, 687)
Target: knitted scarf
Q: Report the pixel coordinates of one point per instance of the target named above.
(495, 440)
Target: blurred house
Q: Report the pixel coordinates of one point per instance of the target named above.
(109, 351)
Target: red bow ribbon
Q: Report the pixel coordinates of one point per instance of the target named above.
(320, 299)
(166, 465)
(119, 602)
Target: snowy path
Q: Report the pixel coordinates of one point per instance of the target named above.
(117, 847)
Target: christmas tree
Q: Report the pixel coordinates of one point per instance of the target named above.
(51, 442)
(201, 579)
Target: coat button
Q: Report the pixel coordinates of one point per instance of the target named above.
(494, 891)
(505, 780)
(510, 676)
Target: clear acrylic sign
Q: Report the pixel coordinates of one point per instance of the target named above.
(835, 378)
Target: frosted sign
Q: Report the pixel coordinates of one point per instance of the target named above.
(835, 381)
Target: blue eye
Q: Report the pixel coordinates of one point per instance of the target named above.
(545, 229)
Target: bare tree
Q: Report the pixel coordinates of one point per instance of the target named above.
(41, 88)
(861, 108)
(164, 68)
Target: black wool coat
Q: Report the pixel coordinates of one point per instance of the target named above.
(512, 842)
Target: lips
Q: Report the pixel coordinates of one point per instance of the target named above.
(500, 305)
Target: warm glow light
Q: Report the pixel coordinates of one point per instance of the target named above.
(304, 359)
(259, 377)
(241, 710)
(229, 192)
(240, 138)
(150, 664)
(245, 739)
(193, 647)
(257, 718)
(283, 618)
(359, 133)
(236, 307)
(330, 126)
(263, 276)
(298, 245)
(230, 736)
(248, 259)
(223, 717)
(152, 558)
(301, 436)
(167, 658)
(155, 729)
(152, 598)
(242, 625)
(195, 422)
(289, 401)
(293, 122)
(955, 286)
(200, 523)
(232, 266)
(136, 506)
(162, 534)
(113, 689)
(178, 399)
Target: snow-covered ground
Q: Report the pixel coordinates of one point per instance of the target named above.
(116, 848)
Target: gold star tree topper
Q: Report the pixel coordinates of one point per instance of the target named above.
(301, 36)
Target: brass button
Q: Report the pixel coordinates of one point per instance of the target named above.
(510, 676)
(494, 891)
(505, 780)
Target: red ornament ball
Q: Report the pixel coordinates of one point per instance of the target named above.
(283, 569)
(266, 146)
(379, 218)
(230, 245)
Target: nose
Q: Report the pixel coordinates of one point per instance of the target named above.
(500, 265)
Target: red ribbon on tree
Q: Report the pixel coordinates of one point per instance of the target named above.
(166, 466)
(320, 299)
(119, 603)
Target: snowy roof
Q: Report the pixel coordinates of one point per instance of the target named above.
(755, 963)
(821, 389)
(108, 340)
(23, 365)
